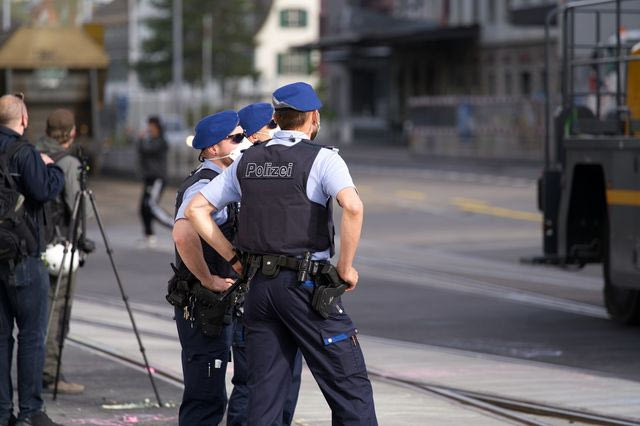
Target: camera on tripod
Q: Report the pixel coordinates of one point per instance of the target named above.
(57, 243)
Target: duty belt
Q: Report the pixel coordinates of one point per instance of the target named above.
(270, 264)
(326, 294)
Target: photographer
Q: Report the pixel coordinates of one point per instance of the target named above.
(23, 277)
(60, 134)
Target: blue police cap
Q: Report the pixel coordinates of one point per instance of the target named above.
(255, 116)
(299, 96)
(214, 128)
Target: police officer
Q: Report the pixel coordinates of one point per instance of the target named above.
(286, 188)
(204, 357)
(257, 121)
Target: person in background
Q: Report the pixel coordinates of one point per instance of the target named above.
(152, 159)
(57, 143)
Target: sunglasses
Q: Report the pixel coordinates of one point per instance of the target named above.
(272, 124)
(19, 95)
(237, 137)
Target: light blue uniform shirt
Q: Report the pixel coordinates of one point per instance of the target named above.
(220, 216)
(328, 176)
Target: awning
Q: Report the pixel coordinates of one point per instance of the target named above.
(52, 47)
(396, 36)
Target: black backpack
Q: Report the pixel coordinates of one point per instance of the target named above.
(16, 237)
(57, 216)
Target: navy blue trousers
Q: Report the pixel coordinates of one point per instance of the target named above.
(279, 320)
(204, 365)
(239, 399)
(23, 302)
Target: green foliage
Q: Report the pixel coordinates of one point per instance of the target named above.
(234, 27)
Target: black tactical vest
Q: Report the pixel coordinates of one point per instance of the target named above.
(217, 264)
(277, 216)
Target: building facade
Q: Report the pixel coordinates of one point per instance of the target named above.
(382, 58)
(288, 24)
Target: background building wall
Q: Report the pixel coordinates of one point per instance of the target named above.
(274, 59)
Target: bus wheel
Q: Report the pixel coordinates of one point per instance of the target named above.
(623, 304)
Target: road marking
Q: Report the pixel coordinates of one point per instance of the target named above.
(482, 207)
(410, 195)
(365, 189)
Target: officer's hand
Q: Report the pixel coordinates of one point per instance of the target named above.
(349, 276)
(218, 284)
(46, 159)
(238, 268)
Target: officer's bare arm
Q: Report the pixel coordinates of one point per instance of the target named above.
(199, 213)
(190, 250)
(350, 229)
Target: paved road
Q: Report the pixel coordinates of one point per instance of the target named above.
(438, 265)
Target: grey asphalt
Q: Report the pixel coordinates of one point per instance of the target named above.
(414, 285)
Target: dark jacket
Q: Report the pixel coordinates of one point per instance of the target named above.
(69, 164)
(152, 157)
(38, 182)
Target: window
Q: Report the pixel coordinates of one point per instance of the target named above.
(491, 84)
(507, 83)
(294, 63)
(525, 83)
(293, 18)
(491, 12)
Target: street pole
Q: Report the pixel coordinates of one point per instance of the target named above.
(6, 15)
(177, 54)
(132, 80)
(207, 49)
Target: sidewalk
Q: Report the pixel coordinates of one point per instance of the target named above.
(111, 384)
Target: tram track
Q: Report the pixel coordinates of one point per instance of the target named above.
(455, 279)
(515, 410)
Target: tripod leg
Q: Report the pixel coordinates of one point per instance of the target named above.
(74, 215)
(80, 196)
(125, 298)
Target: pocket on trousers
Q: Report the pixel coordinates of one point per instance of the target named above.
(202, 379)
(344, 351)
(25, 272)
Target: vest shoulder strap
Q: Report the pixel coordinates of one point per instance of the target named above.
(205, 173)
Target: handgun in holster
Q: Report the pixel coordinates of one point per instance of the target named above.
(213, 314)
(327, 294)
(179, 287)
(215, 310)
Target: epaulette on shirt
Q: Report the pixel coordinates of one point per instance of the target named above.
(332, 148)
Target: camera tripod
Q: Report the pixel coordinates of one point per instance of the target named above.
(73, 241)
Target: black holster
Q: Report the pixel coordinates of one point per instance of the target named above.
(328, 291)
(179, 287)
(213, 314)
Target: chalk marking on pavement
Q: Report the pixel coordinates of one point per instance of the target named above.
(482, 207)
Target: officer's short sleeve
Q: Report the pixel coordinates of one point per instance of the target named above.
(220, 216)
(224, 189)
(334, 173)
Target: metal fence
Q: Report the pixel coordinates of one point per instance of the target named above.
(476, 127)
